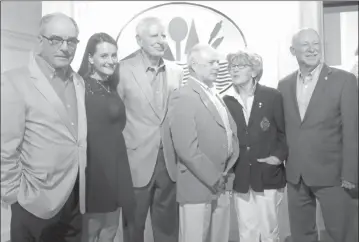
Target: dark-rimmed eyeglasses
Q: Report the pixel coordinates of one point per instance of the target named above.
(57, 41)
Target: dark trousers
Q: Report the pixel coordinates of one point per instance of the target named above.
(63, 227)
(335, 204)
(160, 197)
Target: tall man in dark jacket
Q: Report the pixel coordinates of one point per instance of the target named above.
(321, 115)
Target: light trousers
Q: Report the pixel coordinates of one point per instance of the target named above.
(257, 215)
(205, 222)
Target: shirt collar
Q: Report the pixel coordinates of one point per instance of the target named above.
(147, 65)
(312, 74)
(235, 93)
(212, 89)
(50, 72)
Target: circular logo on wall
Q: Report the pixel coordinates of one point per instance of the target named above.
(188, 24)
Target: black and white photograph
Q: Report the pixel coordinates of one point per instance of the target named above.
(179, 121)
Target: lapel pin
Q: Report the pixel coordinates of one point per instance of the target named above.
(326, 78)
(260, 105)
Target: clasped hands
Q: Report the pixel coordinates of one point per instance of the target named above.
(220, 186)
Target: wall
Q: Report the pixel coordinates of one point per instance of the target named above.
(270, 38)
(18, 36)
(341, 35)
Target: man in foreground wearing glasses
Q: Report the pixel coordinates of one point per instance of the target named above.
(43, 139)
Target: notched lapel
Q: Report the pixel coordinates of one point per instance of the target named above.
(256, 106)
(81, 110)
(42, 84)
(206, 101)
(318, 93)
(140, 78)
(239, 113)
(293, 92)
(168, 86)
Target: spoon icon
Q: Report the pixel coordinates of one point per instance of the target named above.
(178, 30)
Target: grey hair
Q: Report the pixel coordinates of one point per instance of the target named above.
(195, 52)
(48, 17)
(145, 23)
(245, 57)
(296, 35)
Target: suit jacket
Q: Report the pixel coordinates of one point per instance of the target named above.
(144, 127)
(200, 142)
(263, 136)
(41, 155)
(323, 148)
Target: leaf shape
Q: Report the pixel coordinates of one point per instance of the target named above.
(217, 42)
(215, 31)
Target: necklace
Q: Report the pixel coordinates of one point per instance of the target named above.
(103, 86)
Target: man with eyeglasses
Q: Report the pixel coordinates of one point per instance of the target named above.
(43, 139)
(204, 137)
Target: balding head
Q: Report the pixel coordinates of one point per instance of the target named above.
(203, 63)
(304, 34)
(307, 48)
(58, 39)
(56, 17)
(200, 52)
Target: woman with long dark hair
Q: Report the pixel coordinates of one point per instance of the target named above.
(108, 177)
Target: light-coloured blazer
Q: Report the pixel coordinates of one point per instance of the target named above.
(200, 141)
(41, 155)
(144, 126)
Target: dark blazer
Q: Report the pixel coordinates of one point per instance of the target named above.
(264, 136)
(108, 176)
(324, 146)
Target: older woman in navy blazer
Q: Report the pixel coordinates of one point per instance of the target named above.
(259, 171)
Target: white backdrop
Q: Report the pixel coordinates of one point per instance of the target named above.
(267, 26)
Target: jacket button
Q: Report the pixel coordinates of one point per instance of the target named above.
(248, 148)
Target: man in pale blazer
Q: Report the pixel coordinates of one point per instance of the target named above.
(321, 121)
(146, 82)
(43, 139)
(204, 137)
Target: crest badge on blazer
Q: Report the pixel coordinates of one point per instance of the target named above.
(265, 124)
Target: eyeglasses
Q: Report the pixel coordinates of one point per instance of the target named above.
(57, 41)
(238, 66)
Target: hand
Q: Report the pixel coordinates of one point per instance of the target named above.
(220, 185)
(348, 185)
(271, 160)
